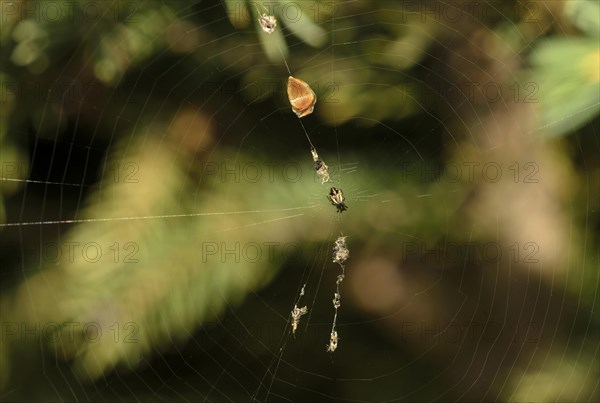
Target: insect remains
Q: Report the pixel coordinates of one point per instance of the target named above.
(333, 341)
(297, 313)
(267, 23)
(301, 96)
(340, 251)
(320, 166)
(336, 197)
(340, 254)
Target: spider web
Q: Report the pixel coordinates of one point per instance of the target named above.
(430, 308)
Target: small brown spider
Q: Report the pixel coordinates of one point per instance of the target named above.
(336, 197)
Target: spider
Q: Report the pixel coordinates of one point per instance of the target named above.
(336, 197)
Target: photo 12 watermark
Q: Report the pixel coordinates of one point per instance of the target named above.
(473, 92)
(469, 252)
(91, 252)
(69, 11)
(253, 252)
(460, 12)
(71, 331)
(250, 172)
(472, 172)
(241, 12)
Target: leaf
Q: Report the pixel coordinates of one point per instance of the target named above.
(298, 21)
(585, 14)
(566, 71)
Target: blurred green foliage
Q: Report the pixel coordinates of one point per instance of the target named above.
(568, 73)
